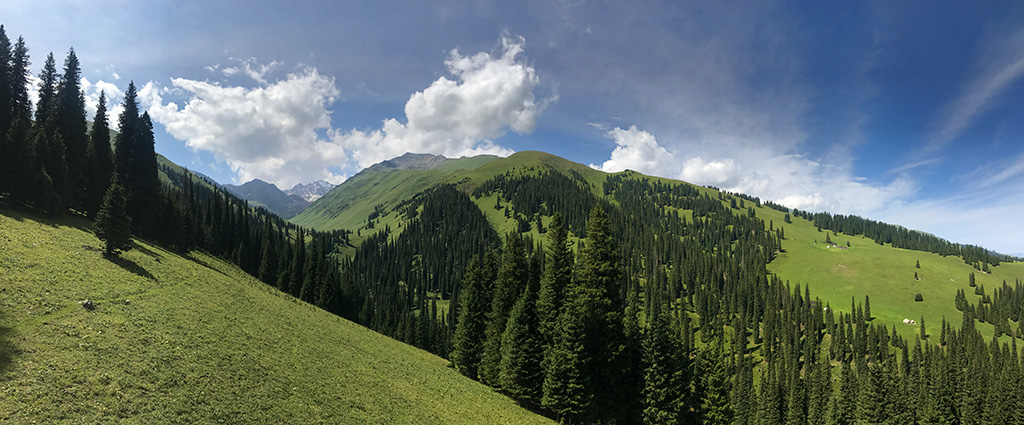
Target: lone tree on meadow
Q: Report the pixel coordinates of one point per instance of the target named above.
(113, 225)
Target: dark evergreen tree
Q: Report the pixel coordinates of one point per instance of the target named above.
(6, 95)
(714, 386)
(568, 385)
(21, 106)
(113, 226)
(298, 264)
(511, 280)
(135, 163)
(600, 281)
(49, 148)
(101, 158)
(69, 121)
(663, 375)
(474, 301)
(20, 175)
(557, 277)
(844, 400)
(522, 352)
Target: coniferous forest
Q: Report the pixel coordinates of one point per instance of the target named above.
(649, 304)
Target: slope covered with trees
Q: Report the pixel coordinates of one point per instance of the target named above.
(699, 324)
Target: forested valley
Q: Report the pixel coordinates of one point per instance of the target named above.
(645, 301)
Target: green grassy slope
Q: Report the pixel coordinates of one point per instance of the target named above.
(883, 273)
(194, 340)
(348, 205)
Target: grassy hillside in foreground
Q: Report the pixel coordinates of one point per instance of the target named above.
(194, 340)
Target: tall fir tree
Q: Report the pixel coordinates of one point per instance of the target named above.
(474, 302)
(49, 148)
(600, 280)
(664, 384)
(556, 278)
(21, 177)
(298, 264)
(568, 385)
(21, 105)
(6, 86)
(512, 278)
(113, 226)
(135, 163)
(522, 352)
(714, 386)
(101, 158)
(69, 120)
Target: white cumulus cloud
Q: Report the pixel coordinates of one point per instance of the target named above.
(268, 132)
(788, 179)
(638, 150)
(281, 131)
(487, 96)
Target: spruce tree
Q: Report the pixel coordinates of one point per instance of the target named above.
(298, 264)
(268, 254)
(714, 386)
(49, 148)
(522, 352)
(600, 281)
(113, 226)
(568, 385)
(21, 106)
(69, 117)
(20, 175)
(511, 280)
(844, 406)
(135, 163)
(769, 404)
(6, 95)
(100, 156)
(474, 303)
(663, 375)
(556, 278)
(744, 399)
(871, 403)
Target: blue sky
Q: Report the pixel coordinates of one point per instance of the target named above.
(890, 110)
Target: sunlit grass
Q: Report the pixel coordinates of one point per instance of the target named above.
(191, 339)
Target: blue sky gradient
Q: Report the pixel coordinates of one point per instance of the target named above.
(891, 110)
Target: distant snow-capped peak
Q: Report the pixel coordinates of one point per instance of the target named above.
(310, 191)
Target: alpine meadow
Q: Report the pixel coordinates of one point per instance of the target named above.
(444, 268)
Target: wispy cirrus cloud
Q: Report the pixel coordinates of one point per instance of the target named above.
(1000, 66)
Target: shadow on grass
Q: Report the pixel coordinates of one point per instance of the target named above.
(138, 247)
(71, 219)
(196, 260)
(7, 348)
(130, 266)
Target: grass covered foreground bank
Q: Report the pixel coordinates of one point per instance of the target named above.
(192, 339)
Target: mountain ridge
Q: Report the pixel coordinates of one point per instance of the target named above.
(269, 196)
